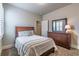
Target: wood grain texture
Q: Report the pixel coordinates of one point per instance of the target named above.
(61, 39)
(21, 28)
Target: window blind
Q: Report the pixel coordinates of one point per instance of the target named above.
(1, 19)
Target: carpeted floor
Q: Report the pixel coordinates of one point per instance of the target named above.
(61, 52)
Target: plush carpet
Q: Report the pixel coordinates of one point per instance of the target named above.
(65, 52)
(61, 52)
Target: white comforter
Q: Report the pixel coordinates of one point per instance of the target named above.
(33, 45)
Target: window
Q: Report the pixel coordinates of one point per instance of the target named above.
(1, 20)
(59, 25)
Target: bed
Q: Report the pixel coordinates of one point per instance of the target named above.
(33, 45)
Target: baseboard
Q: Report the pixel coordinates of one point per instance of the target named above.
(78, 47)
(7, 46)
(74, 46)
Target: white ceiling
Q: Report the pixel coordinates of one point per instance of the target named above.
(38, 8)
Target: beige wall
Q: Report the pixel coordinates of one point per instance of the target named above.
(16, 17)
(71, 12)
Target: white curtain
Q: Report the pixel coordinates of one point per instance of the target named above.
(1, 19)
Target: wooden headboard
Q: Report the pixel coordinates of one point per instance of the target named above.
(22, 28)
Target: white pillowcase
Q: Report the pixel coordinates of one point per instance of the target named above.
(25, 33)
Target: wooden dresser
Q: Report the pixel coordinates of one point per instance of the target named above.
(61, 39)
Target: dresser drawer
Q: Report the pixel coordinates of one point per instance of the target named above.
(61, 39)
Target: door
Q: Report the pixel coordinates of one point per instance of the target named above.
(44, 28)
(38, 27)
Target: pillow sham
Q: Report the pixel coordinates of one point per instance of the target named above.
(25, 33)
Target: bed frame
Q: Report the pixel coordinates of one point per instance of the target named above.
(21, 28)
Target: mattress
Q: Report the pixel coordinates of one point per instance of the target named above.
(33, 45)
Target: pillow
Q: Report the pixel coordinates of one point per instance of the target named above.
(25, 33)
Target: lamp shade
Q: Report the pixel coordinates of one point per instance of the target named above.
(67, 27)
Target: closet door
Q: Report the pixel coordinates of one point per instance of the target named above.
(38, 27)
(44, 28)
